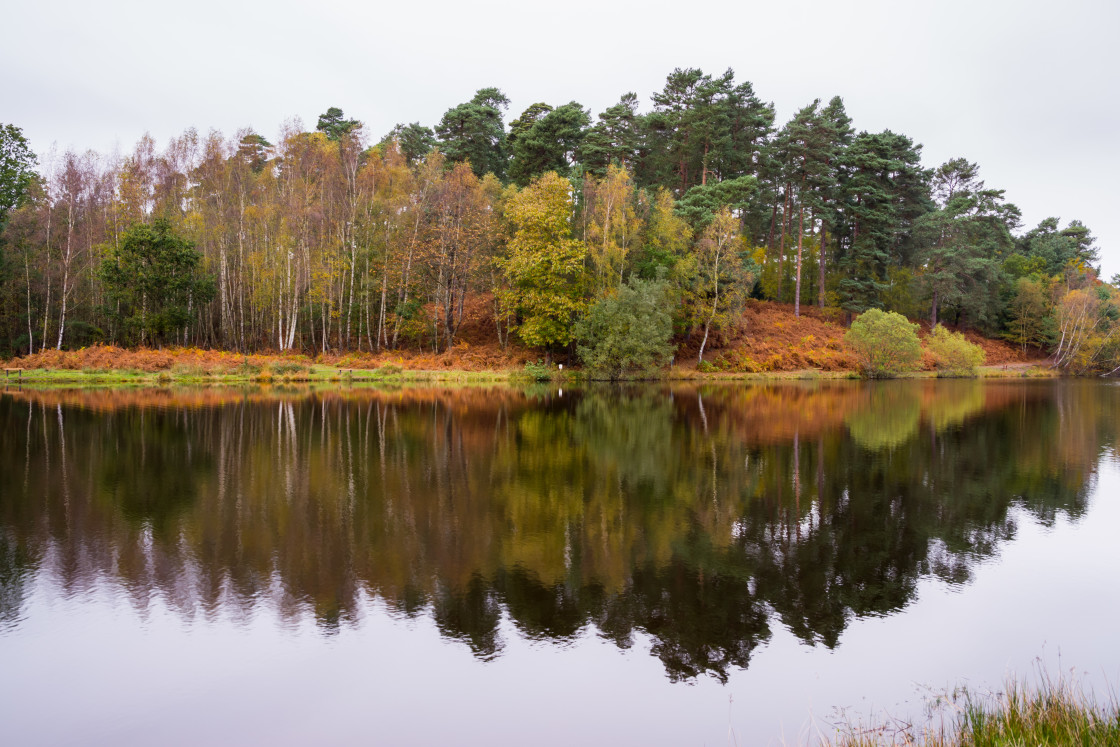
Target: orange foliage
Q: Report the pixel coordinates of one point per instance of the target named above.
(771, 338)
(112, 358)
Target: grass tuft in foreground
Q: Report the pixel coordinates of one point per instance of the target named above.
(1054, 713)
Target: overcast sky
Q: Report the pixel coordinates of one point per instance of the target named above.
(1026, 89)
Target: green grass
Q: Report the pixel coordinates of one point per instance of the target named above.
(252, 374)
(1052, 713)
(274, 373)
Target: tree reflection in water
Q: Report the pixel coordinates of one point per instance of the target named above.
(697, 516)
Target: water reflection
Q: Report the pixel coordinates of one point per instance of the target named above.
(699, 516)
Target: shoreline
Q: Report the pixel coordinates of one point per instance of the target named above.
(327, 374)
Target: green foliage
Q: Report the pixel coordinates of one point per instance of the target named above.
(388, 369)
(154, 283)
(886, 343)
(317, 243)
(666, 239)
(706, 367)
(334, 125)
(614, 140)
(473, 132)
(17, 162)
(253, 151)
(961, 246)
(889, 419)
(1049, 250)
(1029, 313)
(703, 128)
(700, 204)
(545, 267)
(955, 355)
(628, 331)
(414, 141)
(545, 139)
(900, 294)
(288, 368)
(886, 190)
(719, 277)
(1018, 266)
(863, 283)
(539, 371)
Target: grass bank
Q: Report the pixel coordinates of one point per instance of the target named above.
(285, 371)
(309, 374)
(1053, 712)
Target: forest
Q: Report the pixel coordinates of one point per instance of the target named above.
(565, 228)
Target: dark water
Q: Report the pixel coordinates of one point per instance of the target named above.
(643, 565)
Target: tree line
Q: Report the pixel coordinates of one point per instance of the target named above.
(332, 239)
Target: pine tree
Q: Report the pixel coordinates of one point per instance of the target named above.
(474, 132)
(545, 139)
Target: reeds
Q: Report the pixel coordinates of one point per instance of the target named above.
(1051, 712)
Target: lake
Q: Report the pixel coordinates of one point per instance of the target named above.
(718, 564)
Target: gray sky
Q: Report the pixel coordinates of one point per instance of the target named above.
(1026, 89)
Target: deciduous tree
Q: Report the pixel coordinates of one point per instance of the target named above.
(628, 330)
(886, 343)
(721, 279)
(17, 164)
(545, 268)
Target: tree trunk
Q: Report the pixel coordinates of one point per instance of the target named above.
(773, 225)
(711, 316)
(704, 342)
(782, 243)
(820, 263)
(30, 334)
(350, 306)
(800, 237)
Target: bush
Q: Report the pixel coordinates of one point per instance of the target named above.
(288, 368)
(955, 355)
(886, 343)
(628, 331)
(388, 370)
(539, 371)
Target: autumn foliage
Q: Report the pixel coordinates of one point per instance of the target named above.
(766, 338)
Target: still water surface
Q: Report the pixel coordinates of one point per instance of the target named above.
(496, 565)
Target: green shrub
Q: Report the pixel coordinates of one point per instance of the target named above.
(628, 331)
(886, 343)
(706, 367)
(539, 371)
(189, 370)
(288, 368)
(388, 369)
(955, 355)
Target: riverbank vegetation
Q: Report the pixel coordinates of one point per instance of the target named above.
(783, 346)
(1054, 713)
(519, 239)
